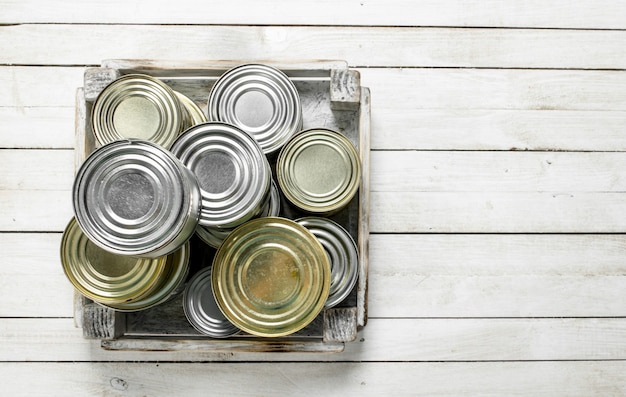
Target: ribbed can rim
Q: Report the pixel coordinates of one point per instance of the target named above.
(259, 99)
(271, 277)
(233, 173)
(342, 253)
(133, 197)
(137, 97)
(299, 168)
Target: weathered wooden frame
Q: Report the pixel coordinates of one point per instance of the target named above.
(345, 103)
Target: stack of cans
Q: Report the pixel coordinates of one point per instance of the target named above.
(165, 171)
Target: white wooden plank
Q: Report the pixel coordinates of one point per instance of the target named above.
(497, 212)
(497, 255)
(410, 276)
(360, 46)
(493, 129)
(392, 88)
(395, 212)
(429, 171)
(35, 210)
(416, 171)
(54, 339)
(36, 169)
(26, 86)
(36, 127)
(346, 379)
(407, 89)
(491, 13)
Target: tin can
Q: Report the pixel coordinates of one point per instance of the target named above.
(135, 198)
(319, 171)
(105, 277)
(201, 309)
(259, 99)
(234, 175)
(271, 277)
(137, 106)
(342, 252)
(170, 284)
(214, 236)
(194, 115)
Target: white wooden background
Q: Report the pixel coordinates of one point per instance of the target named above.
(498, 253)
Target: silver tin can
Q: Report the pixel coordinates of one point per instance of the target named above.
(233, 173)
(342, 252)
(135, 198)
(137, 106)
(214, 236)
(201, 309)
(259, 99)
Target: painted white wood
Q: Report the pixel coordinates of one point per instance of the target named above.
(497, 212)
(36, 127)
(35, 210)
(495, 129)
(360, 46)
(429, 171)
(604, 14)
(410, 276)
(56, 339)
(347, 379)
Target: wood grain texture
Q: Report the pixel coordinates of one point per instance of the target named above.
(350, 379)
(56, 339)
(360, 46)
(492, 13)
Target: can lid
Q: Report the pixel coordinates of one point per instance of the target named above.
(137, 106)
(271, 277)
(103, 276)
(319, 170)
(342, 252)
(233, 173)
(133, 197)
(202, 310)
(259, 99)
(176, 270)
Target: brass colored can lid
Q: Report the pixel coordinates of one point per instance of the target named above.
(343, 254)
(170, 283)
(260, 100)
(233, 173)
(271, 277)
(103, 276)
(137, 106)
(195, 115)
(135, 198)
(201, 309)
(319, 171)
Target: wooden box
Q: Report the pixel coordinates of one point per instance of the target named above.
(331, 97)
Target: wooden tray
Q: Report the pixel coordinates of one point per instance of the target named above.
(332, 97)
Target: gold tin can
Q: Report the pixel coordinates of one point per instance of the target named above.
(141, 107)
(319, 171)
(105, 277)
(194, 115)
(170, 284)
(271, 277)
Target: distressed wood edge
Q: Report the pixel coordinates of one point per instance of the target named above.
(345, 89)
(222, 345)
(364, 206)
(100, 322)
(340, 324)
(95, 79)
(165, 67)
